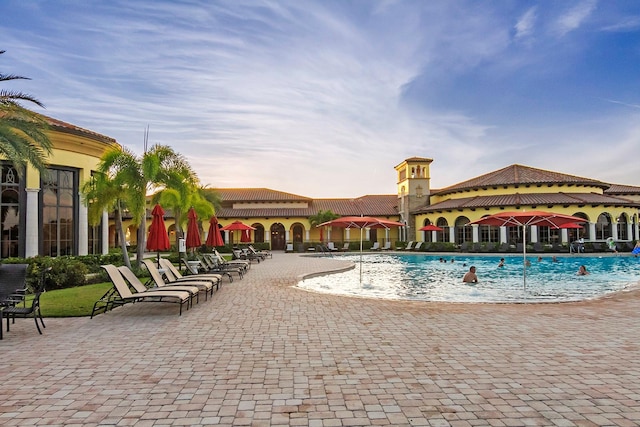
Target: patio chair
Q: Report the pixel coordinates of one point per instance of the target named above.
(266, 254)
(408, 247)
(418, 246)
(13, 283)
(173, 275)
(193, 286)
(332, 247)
(387, 246)
(31, 310)
(214, 265)
(122, 293)
(376, 246)
(345, 247)
(242, 255)
(140, 287)
(237, 262)
(289, 248)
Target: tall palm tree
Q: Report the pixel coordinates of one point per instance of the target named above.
(23, 137)
(322, 216)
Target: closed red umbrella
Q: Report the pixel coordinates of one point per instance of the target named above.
(246, 236)
(214, 238)
(193, 232)
(158, 239)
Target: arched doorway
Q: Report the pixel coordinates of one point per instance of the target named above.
(443, 236)
(258, 233)
(297, 230)
(623, 228)
(463, 233)
(277, 236)
(603, 226)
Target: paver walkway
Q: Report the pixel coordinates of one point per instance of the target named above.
(262, 353)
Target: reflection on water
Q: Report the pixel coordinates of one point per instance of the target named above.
(424, 277)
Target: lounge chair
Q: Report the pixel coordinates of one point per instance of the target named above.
(140, 287)
(240, 263)
(264, 253)
(193, 286)
(211, 264)
(173, 275)
(345, 247)
(408, 247)
(289, 248)
(387, 246)
(332, 247)
(122, 293)
(242, 255)
(376, 246)
(418, 246)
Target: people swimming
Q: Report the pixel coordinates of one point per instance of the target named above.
(582, 271)
(501, 263)
(470, 276)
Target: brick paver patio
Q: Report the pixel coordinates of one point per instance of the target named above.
(262, 353)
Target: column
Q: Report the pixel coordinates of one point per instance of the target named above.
(434, 236)
(367, 235)
(286, 235)
(503, 234)
(105, 233)
(452, 234)
(475, 235)
(592, 230)
(534, 234)
(83, 228)
(306, 236)
(614, 230)
(348, 234)
(629, 231)
(32, 235)
(564, 235)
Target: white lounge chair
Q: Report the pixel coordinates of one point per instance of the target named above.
(408, 247)
(418, 246)
(387, 246)
(376, 246)
(332, 247)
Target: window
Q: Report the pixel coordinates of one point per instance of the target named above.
(10, 211)
(58, 212)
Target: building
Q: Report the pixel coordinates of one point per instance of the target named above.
(44, 215)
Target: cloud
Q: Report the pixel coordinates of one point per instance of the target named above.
(574, 17)
(524, 26)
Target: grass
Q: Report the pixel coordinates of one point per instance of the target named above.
(72, 302)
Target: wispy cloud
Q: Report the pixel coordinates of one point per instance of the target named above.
(574, 17)
(524, 26)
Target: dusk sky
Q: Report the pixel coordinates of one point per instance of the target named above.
(324, 98)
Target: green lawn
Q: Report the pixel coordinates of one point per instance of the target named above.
(72, 302)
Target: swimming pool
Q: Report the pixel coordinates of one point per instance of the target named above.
(423, 277)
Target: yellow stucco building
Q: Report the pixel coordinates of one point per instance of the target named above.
(44, 215)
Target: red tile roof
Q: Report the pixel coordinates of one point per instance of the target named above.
(622, 189)
(69, 128)
(257, 195)
(529, 199)
(520, 175)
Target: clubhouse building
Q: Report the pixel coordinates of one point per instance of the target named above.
(44, 215)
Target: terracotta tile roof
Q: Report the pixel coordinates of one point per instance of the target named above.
(416, 159)
(374, 205)
(520, 175)
(69, 128)
(622, 189)
(535, 199)
(257, 195)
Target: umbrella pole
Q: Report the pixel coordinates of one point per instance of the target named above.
(524, 257)
(360, 255)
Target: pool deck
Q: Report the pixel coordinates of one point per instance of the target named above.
(262, 353)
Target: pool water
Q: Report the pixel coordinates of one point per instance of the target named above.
(425, 278)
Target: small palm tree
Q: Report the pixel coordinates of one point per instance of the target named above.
(23, 137)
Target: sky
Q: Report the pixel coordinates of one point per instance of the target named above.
(324, 98)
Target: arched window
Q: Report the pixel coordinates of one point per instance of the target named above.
(623, 220)
(603, 226)
(258, 233)
(464, 233)
(583, 232)
(443, 236)
(297, 233)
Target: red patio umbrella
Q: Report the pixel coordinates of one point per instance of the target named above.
(158, 239)
(524, 219)
(361, 222)
(245, 237)
(193, 232)
(430, 227)
(237, 226)
(213, 237)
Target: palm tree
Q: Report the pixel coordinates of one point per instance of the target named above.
(23, 138)
(322, 216)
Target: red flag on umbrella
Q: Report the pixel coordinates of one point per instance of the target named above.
(214, 238)
(193, 232)
(158, 239)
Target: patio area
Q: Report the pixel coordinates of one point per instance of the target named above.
(261, 353)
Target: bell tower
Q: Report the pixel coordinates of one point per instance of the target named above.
(413, 189)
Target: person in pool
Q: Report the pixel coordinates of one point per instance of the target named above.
(582, 271)
(501, 264)
(470, 276)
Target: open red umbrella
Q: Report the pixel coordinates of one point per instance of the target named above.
(237, 226)
(158, 239)
(193, 232)
(213, 237)
(361, 222)
(430, 227)
(524, 219)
